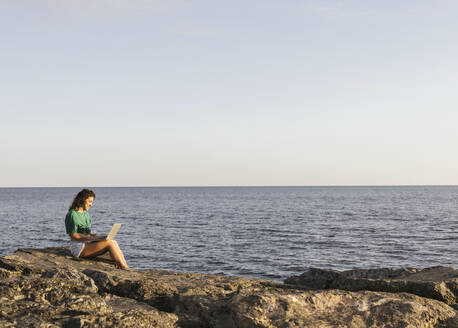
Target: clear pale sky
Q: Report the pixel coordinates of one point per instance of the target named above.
(211, 93)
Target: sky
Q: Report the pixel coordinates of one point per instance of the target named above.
(228, 93)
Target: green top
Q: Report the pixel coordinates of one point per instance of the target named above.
(76, 222)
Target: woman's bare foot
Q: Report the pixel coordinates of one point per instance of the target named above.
(127, 268)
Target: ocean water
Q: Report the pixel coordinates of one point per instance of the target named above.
(261, 232)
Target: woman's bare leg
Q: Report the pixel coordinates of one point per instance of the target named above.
(97, 248)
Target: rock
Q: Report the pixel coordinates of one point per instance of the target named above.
(440, 283)
(51, 292)
(47, 288)
(336, 308)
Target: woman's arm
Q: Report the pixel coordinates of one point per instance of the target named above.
(85, 237)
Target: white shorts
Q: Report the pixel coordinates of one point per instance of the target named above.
(76, 248)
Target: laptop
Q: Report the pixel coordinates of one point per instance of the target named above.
(114, 230)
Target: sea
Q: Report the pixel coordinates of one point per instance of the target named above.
(261, 232)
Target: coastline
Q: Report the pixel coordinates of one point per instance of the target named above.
(47, 287)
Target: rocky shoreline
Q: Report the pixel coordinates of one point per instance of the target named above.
(48, 288)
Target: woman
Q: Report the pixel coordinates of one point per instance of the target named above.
(83, 242)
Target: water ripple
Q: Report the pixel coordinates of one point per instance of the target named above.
(260, 232)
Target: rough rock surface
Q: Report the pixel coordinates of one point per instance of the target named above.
(440, 283)
(47, 288)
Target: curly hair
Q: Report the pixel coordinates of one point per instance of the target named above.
(80, 198)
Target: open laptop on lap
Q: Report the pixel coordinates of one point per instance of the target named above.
(114, 230)
(111, 235)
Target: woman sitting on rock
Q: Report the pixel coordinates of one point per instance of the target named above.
(83, 242)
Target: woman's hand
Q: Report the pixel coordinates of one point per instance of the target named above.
(93, 236)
